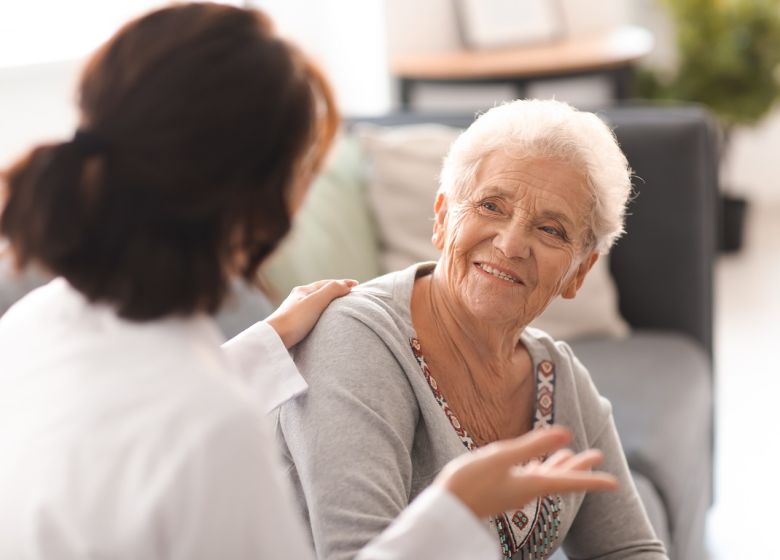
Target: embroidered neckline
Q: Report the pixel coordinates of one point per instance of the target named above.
(534, 529)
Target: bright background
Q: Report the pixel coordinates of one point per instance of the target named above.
(44, 43)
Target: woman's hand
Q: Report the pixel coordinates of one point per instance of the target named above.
(298, 313)
(506, 475)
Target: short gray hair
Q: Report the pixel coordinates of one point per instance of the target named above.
(549, 130)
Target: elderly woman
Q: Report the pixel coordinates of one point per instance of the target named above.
(420, 365)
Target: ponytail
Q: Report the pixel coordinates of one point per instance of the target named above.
(47, 206)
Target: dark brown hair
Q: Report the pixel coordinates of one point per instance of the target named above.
(196, 120)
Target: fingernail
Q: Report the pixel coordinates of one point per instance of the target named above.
(351, 283)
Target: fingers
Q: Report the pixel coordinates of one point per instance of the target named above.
(332, 289)
(566, 459)
(575, 481)
(583, 461)
(320, 294)
(507, 474)
(558, 458)
(529, 446)
(336, 285)
(562, 481)
(307, 289)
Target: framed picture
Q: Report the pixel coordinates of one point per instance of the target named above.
(486, 24)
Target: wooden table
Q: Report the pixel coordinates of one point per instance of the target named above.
(611, 53)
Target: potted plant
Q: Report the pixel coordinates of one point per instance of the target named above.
(728, 54)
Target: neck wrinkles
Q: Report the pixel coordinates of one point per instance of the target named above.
(487, 351)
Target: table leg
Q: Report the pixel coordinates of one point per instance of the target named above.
(623, 82)
(521, 88)
(405, 86)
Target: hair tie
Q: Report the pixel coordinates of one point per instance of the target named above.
(88, 143)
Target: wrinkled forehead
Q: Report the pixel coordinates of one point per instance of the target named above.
(546, 183)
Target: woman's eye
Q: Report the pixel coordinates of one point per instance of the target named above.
(490, 206)
(552, 231)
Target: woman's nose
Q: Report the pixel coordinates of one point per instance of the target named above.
(514, 241)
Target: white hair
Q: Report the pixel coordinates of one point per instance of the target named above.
(553, 130)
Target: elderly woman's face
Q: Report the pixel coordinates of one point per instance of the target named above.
(516, 238)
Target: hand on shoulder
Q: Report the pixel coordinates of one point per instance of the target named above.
(299, 312)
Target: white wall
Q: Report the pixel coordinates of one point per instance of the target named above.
(415, 26)
(37, 99)
(36, 104)
(43, 44)
(754, 165)
(348, 39)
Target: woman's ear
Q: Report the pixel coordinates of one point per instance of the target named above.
(575, 283)
(440, 210)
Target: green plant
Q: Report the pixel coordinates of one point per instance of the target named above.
(728, 52)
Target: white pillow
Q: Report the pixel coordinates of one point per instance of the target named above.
(403, 175)
(403, 169)
(593, 312)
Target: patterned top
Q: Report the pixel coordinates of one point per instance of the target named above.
(530, 532)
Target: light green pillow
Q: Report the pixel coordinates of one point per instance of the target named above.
(333, 235)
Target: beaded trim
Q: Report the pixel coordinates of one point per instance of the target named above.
(533, 530)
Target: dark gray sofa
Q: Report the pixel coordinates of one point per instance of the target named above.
(659, 379)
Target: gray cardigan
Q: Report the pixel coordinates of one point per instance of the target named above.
(369, 435)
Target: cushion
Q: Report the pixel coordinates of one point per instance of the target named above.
(332, 235)
(403, 165)
(593, 312)
(403, 169)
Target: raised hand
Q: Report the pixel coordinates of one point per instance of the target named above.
(508, 474)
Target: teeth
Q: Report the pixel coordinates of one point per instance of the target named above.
(497, 273)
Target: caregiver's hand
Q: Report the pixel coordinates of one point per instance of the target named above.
(506, 475)
(299, 312)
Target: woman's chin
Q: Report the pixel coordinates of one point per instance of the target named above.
(497, 310)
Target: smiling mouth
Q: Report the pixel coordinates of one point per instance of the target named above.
(498, 273)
